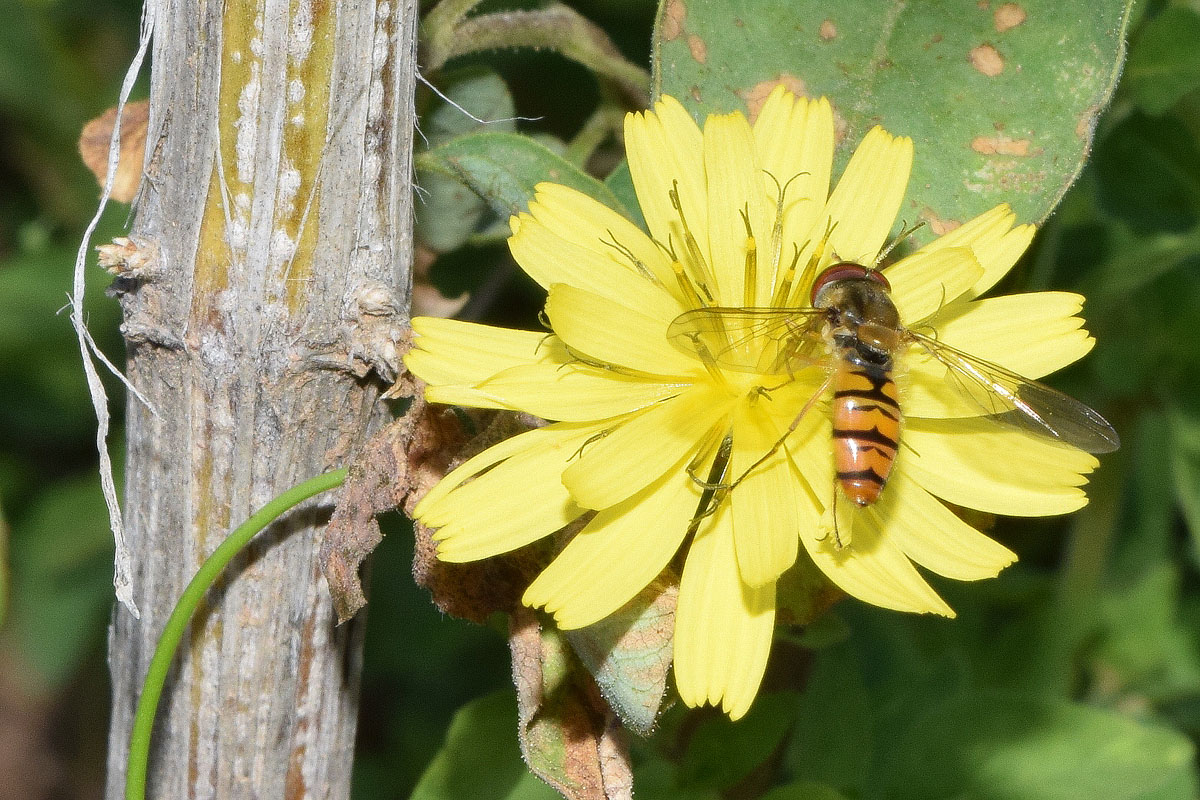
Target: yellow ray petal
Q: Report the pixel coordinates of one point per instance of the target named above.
(723, 628)
(735, 188)
(448, 352)
(580, 219)
(794, 138)
(612, 333)
(872, 567)
(925, 282)
(1031, 334)
(862, 561)
(636, 451)
(867, 197)
(978, 463)
(765, 504)
(664, 149)
(996, 243)
(549, 258)
(930, 534)
(616, 554)
(573, 392)
(517, 501)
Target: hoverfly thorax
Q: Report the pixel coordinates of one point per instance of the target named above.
(864, 324)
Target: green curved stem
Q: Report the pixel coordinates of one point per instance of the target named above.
(172, 634)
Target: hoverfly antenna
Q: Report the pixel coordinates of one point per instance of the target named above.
(904, 234)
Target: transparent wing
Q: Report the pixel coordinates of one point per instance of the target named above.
(1024, 403)
(770, 341)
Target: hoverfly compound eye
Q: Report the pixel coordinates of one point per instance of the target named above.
(847, 270)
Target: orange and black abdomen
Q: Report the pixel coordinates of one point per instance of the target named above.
(866, 429)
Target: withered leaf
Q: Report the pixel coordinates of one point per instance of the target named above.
(568, 735)
(96, 136)
(397, 467)
(402, 461)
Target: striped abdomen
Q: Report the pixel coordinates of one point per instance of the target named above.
(866, 429)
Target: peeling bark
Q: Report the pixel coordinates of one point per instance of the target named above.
(276, 204)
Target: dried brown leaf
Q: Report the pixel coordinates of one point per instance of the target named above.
(403, 460)
(96, 137)
(568, 735)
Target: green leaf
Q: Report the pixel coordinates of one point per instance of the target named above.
(1149, 171)
(447, 212)
(1145, 648)
(620, 182)
(45, 400)
(503, 169)
(1000, 99)
(721, 752)
(62, 556)
(1185, 458)
(448, 33)
(834, 734)
(1164, 63)
(3, 567)
(480, 759)
(804, 790)
(1010, 748)
(1148, 538)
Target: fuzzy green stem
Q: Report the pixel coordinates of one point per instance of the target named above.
(172, 634)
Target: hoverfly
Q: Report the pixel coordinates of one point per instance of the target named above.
(854, 331)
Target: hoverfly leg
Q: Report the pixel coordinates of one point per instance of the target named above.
(714, 488)
(812, 401)
(720, 462)
(838, 544)
(594, 438)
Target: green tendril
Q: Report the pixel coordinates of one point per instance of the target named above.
(181, 615)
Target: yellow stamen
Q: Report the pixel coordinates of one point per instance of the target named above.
(814, 262)
(637, 263)
(699, 265)
(785, 286)
(750, 290)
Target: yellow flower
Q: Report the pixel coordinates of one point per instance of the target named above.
(740, 216)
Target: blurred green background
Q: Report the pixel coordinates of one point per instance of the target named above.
(1074, 674)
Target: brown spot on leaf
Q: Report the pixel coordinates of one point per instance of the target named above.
(695, 93)
(983, 5)
(936, 224)
(1000, 145)
(757, 94)
(827, 31)
(840, 126)
(1087, 122)
(1008, 16)
(672, 20)
(96, 137)
(697, 48)
(987, 60)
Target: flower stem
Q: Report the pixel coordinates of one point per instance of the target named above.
(181, 615)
